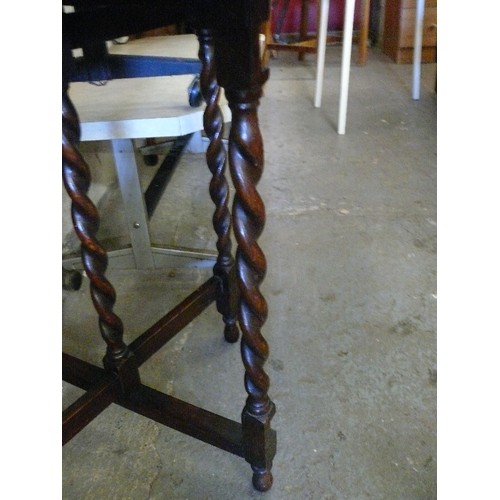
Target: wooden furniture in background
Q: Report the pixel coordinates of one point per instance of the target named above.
(308, 44)
(399, 31)
(363, 32)
(318, 45)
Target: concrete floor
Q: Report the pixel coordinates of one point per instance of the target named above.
(350, 240)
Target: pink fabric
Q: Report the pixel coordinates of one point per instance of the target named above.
(291, 23)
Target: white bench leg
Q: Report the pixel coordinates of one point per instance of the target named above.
(320, 50)
(346, 64)
(133, 202)
(417, 49)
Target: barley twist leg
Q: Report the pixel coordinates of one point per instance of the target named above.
(76, 177)
(246, 160)
(213, 123)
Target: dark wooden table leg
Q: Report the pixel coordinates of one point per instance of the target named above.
(239, 72)
(76, 177)
(213, 123)
(246, 163)
(304, 20)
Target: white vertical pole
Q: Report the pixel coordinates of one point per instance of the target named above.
(320, 50)
(133, 202)
(346, 64)
(417, 48)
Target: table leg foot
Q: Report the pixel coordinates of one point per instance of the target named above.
(262, 480)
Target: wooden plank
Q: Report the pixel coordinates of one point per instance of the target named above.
(429, 35)
(174, 321)
(101, 387)
(80, 373)
(405, 55)
(390, 41)
(201, 424)
(85, 409)
(307, 46)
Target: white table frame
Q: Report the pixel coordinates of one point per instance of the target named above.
(124, 110)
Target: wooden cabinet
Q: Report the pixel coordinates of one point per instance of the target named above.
(399, 30)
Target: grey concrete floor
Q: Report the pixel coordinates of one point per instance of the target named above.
(350, 240)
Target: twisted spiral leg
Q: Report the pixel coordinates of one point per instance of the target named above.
(76, 177)
(246, 159)
(219, 191)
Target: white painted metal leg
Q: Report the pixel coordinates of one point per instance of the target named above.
(320, 50)
(133, 201)
(141, 254)
(417, 48)
(195, 145)
(346, 64)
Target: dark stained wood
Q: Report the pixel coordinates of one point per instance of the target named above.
(306, 46)
(80, 373)
(102, 390)
(246, 162)
(88, 407)
(76, 177)
(213, 123)
(191, 420)
(228, 31)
